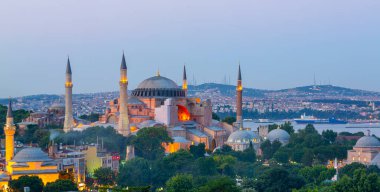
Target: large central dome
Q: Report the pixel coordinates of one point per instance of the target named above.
(158, 82)
(158, 86)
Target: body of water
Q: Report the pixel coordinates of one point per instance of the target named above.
(352, 128)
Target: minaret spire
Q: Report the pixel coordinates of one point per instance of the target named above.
(68, 66)
(123, 63)
(184, 80)
(239, 100)
(123, 124)
(9, 131)
(69, 119)
(9, 112)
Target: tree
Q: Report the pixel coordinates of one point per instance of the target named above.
(180, 183)
(329, 135)
(63, 175)
(225, 164)
(60, 185)
(307, 158)
(35, 183)
(277, 179)
(219, 184)
(350, 169)
(104, 176)
(316, 174)
(281, 156)
(93, 117)
(205, 166)
(360, 181)
(198, 150)
(139, 169)
(230, 120)
(287, 126)
(148, 142)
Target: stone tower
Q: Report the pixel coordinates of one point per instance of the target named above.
(184, 81)
(69, 119)
(239, 101)
(123, 126)
(9, 131)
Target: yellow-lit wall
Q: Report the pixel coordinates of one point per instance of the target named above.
(34, 166)
(92, 160)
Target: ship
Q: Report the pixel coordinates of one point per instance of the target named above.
(305, 119)
(263, 121)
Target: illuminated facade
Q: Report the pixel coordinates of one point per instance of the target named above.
(160, 102)
(96, 158)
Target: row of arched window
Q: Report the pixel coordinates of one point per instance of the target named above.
(158, 93)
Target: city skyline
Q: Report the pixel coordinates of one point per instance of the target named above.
(279, 44)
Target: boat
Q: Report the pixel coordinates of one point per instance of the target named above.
(247, 120)
(264, 121)
(305, 119)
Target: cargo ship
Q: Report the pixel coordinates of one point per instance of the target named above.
(305, 119)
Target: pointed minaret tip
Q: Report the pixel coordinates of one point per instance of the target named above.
(239, 75)
(9, 112)
(184, 72)
(123, 63)
(68, 67)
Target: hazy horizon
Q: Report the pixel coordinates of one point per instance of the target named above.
(280, 44)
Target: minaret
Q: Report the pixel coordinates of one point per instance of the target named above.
(69, 119)
(239, 101)
(184, 81)
(9, 131)
(123, 127)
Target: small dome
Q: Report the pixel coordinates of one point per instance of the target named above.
(368, 141)
(158, 82)
(243, 137)
(32, 154)
(280, 135)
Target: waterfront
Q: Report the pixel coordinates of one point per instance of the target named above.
(352, 128)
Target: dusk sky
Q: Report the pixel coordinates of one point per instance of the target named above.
(280, 44)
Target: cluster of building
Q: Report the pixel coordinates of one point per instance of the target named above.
(157, 102)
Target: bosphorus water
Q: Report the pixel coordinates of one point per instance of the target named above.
(352, 128)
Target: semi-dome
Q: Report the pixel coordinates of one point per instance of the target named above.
(243, 137)
(280, 135)
(368, 141)
(158, 86)
(31, 154)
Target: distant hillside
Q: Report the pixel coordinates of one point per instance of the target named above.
(228, 90)
(321, 90)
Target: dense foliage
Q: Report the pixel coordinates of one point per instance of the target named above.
(61, 185)
(93, 117)
(33, 182)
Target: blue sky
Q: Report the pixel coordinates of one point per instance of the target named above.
(280, 44)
